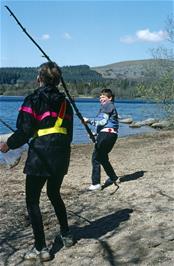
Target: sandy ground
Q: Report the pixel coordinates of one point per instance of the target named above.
(133, 226)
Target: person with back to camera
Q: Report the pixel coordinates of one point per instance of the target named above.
(46, 119)
(106, 124)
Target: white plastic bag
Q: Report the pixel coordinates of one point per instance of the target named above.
(11, 158)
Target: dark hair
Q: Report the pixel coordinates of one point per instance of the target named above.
(50, 73)
(108, 93)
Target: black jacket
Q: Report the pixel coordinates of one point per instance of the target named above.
(48, 154)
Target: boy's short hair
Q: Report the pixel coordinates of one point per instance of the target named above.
(108, 93)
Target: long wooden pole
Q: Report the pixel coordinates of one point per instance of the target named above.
(62, 80)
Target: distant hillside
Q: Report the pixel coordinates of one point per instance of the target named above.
(82, 80)
(19, 75)
(130, 70)
(125, 70)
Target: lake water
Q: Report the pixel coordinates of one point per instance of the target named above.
(138, 110)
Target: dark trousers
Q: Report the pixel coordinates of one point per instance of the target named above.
(104, 144)
(34, 185)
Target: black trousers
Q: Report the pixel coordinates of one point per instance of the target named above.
(34, 185)
(104, 144)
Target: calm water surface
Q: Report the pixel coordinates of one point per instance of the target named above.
(89, 107)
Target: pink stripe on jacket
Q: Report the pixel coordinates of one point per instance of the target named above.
(38, 117)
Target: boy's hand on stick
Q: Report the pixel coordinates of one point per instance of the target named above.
(86, 120)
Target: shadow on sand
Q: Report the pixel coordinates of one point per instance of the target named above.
(131, 177)
(96, 229)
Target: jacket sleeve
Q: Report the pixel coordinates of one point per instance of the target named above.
(100, 121)
(25, 124)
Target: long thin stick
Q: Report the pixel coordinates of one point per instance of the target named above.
(62, 80)
(5, 124)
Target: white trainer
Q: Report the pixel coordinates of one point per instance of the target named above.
(45, 255)
(33, 254)
(94, 187)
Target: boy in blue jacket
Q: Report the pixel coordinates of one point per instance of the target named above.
(106, 123)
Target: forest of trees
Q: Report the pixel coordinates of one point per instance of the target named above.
(80, 80)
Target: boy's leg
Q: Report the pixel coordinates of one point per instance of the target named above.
(53, 191)
(96, 168)
(108, 168)
(107, 141)
(34, 185)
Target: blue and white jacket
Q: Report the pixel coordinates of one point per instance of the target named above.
(107, 118)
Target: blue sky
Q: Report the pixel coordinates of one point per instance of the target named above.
(95, 33)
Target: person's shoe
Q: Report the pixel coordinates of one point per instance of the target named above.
(45, 255)
(94, 187)
(67, 239)
(33, 254)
